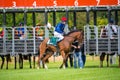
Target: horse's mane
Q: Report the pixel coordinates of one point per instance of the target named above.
(77, 30)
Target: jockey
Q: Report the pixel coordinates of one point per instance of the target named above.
(59, 29)
(111, 29)
(112, 33)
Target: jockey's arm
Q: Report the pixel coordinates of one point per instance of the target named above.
(114, 28)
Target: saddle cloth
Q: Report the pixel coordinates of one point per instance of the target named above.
(53, 41)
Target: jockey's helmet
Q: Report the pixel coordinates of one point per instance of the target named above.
(111, 21)
(64, 19)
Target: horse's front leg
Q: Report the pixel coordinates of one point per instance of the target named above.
(107, 59)
(30, 60)
(64, 59)
(20, 61)
(39, 64)
(102, 56)
(7, 60)
(119, 61)
(15, 60)
(63, 56)
(45, 58)
(3, 60)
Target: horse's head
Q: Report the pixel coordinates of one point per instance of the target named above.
(77, 35)
(80, 36)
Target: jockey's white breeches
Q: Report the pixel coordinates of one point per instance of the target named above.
(58, 35)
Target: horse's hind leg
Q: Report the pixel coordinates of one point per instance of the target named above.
(46, 58)
(102, 56)
(119, 61)
(7, 60)
(107, 59)
(20, 61)
(30, 60)
(33, 61)
(39, 59)
(3, 60)
(15, 60)
(42, 49)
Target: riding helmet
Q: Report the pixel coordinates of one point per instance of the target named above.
(63, 19)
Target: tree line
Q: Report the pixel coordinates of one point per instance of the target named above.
(102, 18)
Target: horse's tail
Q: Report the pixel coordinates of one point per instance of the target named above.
(43, 46)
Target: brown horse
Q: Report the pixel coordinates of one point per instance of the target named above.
(102, 56)
(64, 47)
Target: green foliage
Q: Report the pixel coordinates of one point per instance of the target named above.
(29, 19)
(19, 18)
(102, 21)
(102, 18)
(40, 18)
(1, 20)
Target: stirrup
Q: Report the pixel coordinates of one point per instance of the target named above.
(49, 42)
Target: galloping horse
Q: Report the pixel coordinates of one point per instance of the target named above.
(64, 47)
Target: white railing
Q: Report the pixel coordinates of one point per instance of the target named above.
(12, 44)
(95, 44)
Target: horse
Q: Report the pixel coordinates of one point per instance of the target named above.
(63, 46)
(23, 57)
(102, 56)
(8, 59)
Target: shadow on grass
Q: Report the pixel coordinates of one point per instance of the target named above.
(95, 66)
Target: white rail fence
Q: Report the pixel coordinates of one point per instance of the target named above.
(10, 44)
(95, 44)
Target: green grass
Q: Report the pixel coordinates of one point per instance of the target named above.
(91, 71)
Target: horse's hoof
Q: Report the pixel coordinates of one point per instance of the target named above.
(101, 66)
(46, 66)
(64, 67)
(60, 67)
(20, 67)
(30, 67)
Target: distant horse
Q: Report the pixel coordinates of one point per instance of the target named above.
(8, 59)
(64, 47)
(24, 57)
(102, 56)
(21, 58)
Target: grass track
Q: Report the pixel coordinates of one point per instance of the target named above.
(91, 71)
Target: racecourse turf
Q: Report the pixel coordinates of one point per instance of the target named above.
(91, 71)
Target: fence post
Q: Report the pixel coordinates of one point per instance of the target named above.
(88, 37)
(96, 37)
(118, 40)
(13, 41)
(34, 39)
(4, 40)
